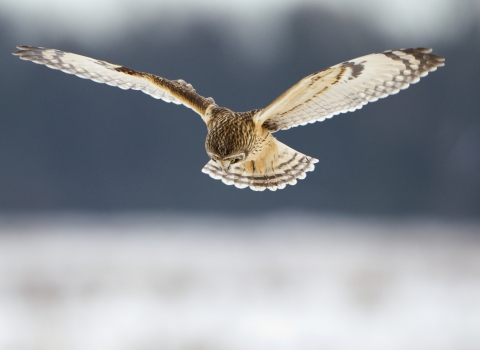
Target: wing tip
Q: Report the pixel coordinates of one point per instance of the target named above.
(26, 50)
(418, 52)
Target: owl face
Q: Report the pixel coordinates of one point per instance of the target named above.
(227, 161)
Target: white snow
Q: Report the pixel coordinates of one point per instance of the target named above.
(273, 282)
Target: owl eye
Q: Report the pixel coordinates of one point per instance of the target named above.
(233, 161)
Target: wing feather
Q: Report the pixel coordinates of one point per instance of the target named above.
(348, 86)
(175, 91)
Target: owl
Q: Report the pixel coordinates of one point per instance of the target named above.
(241, 146)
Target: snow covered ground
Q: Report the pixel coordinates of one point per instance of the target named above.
(277, 282)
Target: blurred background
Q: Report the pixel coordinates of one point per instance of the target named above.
(112, 238)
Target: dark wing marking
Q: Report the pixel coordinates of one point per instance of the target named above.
(175, 91)
(348, 86)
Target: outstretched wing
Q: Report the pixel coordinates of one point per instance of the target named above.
(348, 86)
(176, 91)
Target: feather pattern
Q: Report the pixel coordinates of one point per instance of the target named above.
(348, 86)
(175, 91)
(278, 166)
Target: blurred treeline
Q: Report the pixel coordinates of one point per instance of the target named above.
(71, 144)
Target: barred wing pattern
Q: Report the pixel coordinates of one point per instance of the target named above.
(348, 86)
(178, 91)
(280, 166)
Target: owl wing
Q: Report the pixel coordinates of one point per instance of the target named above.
(175, 91)
(348, 86)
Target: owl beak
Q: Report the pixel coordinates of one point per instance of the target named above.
(224, 164)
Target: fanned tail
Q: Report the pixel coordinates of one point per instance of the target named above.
(275, 168)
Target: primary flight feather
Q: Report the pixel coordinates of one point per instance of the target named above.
(241, 146)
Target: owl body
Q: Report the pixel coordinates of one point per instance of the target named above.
(245, 153)
(241, 147)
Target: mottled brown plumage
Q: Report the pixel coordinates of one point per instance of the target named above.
(230, 132)
(241, 146)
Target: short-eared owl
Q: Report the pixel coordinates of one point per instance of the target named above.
(241, 147)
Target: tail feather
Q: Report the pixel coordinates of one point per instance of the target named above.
(275, 168)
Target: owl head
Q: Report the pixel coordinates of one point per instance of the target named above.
(225, 151)
(230, 138)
